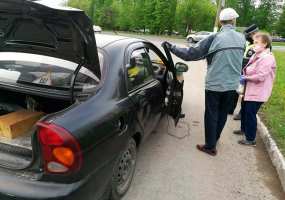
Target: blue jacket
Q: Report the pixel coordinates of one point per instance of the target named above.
(224, 53)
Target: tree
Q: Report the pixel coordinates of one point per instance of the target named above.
(266, 15)
(138, 21)
(149, 16)
(125, 14)
(81, 4)
(103, 12)
(281, 24)
(195, 15)
(172, 13)
(164, 15)
(246, 10)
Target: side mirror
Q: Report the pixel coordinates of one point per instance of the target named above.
(181, 67)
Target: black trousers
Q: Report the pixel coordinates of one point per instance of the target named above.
(248, 119)
(217, 107)
(234, 103)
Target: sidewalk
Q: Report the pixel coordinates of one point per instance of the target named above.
(172, 169)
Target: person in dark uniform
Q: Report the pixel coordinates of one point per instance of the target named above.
(249, 35)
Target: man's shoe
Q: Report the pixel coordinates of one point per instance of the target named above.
(247, 143)
(237, 117)
(212, 152)
(238, 132)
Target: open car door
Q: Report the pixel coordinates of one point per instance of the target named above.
(174, 92)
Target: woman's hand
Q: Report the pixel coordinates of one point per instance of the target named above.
(242, 80)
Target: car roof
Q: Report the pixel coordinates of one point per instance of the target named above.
(104, 40)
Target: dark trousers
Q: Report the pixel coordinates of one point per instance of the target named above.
(217, 108)
(248, 119)
(234, 103)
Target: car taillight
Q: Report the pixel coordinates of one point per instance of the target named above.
(60, 150)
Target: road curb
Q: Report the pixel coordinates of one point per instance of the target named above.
(275, 155)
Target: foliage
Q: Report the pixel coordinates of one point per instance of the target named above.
(281, 24)
(83, 5)
(246, 10)
(159, 16)
(155, 16)
(195, 15)
(266, 15)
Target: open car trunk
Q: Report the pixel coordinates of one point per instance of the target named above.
(21, 112)
(47, 55)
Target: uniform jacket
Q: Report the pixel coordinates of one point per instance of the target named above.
(249, 51)
(224, 53)
(260, 75)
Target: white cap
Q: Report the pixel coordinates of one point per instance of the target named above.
(228, 14)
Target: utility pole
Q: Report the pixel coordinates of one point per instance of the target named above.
(221, 5)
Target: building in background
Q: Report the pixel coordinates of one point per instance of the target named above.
(280, 4)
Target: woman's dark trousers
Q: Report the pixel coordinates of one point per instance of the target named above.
(248, 119)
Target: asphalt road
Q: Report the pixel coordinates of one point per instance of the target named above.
(172, 169)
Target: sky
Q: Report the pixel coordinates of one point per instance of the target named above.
(54, 2)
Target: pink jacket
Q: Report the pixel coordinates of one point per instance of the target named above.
(260, 75)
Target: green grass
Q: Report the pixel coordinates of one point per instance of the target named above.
(278, 43)
(273, 112)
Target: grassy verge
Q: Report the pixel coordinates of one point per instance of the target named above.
(273, 112)
(278, 43)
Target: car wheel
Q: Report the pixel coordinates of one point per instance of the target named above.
(190, 40)
(124, 170)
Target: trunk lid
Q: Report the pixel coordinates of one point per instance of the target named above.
(64, 33)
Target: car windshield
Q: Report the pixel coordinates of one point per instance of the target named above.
(33, 69)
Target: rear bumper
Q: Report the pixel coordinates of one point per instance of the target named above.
(91, 188)
(17, 188)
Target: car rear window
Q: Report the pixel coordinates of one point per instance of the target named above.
(23, 68)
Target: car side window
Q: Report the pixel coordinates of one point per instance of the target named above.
(158, 66)
(139, 70)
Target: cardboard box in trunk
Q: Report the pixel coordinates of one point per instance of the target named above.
(18, 123)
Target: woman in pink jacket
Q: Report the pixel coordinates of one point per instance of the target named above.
(259, 76)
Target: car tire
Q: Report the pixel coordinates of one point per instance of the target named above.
(190, 40)
(124, 170)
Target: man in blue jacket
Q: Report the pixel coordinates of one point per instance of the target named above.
(224, 54)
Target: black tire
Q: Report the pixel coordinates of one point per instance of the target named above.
(124, 170)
